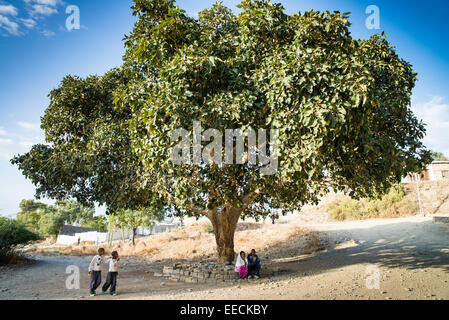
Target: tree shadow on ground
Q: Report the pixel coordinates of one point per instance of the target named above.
(410, 245)
(414, 246)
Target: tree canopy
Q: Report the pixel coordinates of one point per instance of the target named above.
(340, 108)
(87, 155)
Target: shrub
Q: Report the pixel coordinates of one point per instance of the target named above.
(13, 233)
(391, 205)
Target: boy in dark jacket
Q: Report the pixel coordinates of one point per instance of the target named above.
(253, 265)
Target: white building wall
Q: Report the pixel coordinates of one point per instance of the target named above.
(66, 240)
(439, 171)
(94, 236)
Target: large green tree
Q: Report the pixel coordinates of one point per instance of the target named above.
(341, 107)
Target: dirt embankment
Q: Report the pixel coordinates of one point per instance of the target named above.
(196, 242)
(434, 195)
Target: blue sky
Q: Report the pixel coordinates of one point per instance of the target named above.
(37, 51)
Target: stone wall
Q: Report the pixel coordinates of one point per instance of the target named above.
(207, 272)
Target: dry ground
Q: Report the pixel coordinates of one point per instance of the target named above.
(412, 255)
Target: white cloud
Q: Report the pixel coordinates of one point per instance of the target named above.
(2, 131)
(43, 10)
(29, 23)
(10, 26)
(52, 3)
(37, 10)
(12, 144)
(435, 114)
(43, 7)
(29, 126)
(8, 9)
(48, 33)
(10, 148)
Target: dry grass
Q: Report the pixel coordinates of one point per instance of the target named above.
(194, 242)
(392, 205)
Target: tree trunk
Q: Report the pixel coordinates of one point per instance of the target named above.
(224, 225)
(134, 235)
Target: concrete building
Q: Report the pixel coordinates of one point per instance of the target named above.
(164, 226)
(437, 170)
(70, 235)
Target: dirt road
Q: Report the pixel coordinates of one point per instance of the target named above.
(408, 256)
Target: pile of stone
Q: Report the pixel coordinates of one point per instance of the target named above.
(441, 218)
(206, 272)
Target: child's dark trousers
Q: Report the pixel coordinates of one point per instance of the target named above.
(95, 280)
(111, 281)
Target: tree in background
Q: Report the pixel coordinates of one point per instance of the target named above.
(51, 222)
(341, 107)
(133, 219)
(439, 156)
(98, 222)
(13, 233)
(74, 212)
(30, 213)
(48, 220)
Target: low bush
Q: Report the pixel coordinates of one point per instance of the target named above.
(393, 204)
(12, 234)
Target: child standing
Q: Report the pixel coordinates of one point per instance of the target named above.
(111, 280)
(95, 271)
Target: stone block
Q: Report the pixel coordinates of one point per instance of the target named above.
(441, 219)
(167, 270)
